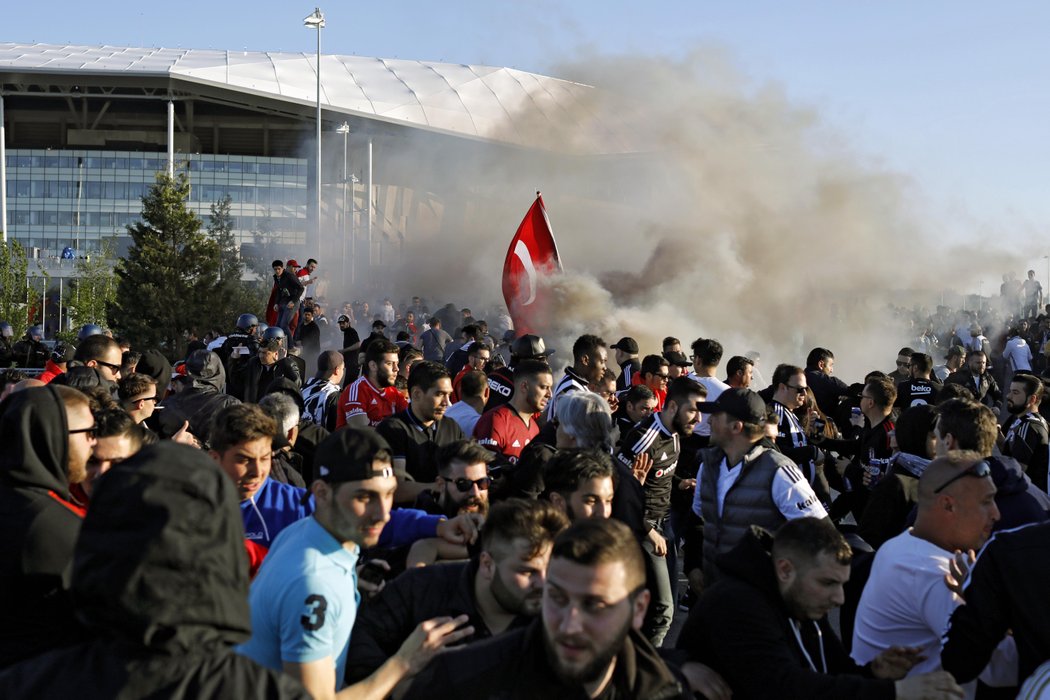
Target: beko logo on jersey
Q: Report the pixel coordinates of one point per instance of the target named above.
(500, 389)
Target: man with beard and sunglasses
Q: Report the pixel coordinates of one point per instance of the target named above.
(463, 481)
(587, 643)
(498, 590)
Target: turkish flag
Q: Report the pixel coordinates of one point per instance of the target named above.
(532, 253)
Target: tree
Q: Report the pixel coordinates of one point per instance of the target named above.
(15, 294)
(235, 295)
(94, 289)
(169, 281)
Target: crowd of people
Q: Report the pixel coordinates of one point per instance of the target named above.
(416, 504)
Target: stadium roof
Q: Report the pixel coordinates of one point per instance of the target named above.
(482, 102)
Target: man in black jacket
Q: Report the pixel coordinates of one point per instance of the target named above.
(1006, 590)
(827, 389)
(289, 293)
(144, 539)
(47, 433)
(764, 624)
(250, 380)
(587, 643)
(498, 591)
(975, 377)
(201, 397)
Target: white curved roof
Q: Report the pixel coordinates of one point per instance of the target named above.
(474, 101)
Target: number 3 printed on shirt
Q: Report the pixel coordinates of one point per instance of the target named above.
(315, 620)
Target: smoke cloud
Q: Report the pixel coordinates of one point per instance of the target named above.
(714, 208)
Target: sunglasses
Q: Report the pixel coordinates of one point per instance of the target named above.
(980, 470)
(89, 431)
(464, 484)
(114, 368)
(797, 389)
(148, 398)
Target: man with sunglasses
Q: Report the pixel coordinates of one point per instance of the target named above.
(655, 373)
(789, 396)
(103, 353)
(48, 434)
(138, 396)
(905, 601)
(463, 482)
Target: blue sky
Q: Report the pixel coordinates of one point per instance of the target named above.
(953, 94)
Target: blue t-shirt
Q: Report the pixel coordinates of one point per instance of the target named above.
(304, 600)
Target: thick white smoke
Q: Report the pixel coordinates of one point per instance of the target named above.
(723, 210)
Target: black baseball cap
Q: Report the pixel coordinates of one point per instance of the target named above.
(627, 344)
(349, 454)
(677, 358)
(343, 318)
(529, 346)
(742, 404)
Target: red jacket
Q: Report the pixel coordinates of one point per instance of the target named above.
(51, 370)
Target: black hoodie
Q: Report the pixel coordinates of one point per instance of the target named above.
(38, 526)
(160, 581)
(514, 666)
(741, 628)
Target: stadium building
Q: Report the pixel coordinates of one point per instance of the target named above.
(85, 130)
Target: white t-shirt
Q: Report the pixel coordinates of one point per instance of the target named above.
(791, 492)
(906, 603)
(715, 387)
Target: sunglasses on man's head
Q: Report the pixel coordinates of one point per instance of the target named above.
(980, 470)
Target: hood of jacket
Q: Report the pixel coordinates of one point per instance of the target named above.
(1008, 475)
(33, 429)
(206, 370)
(751, 561)
(160, 562)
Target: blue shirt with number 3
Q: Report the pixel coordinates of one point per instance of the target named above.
(304, 600)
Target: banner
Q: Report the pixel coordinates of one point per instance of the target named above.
(532, 254)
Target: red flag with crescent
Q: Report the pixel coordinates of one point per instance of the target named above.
(532, 254)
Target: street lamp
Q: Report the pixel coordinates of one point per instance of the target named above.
(316, 21)
(344, 129)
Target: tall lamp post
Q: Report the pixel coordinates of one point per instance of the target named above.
(316, 21)
(344, 129)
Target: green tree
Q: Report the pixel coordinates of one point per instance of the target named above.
(94, 290)
(14, 290)
(168, 283)
(235, 295)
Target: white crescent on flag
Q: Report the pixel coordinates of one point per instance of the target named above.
(521, 251)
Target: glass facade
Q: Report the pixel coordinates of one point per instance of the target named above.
(77, 198)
